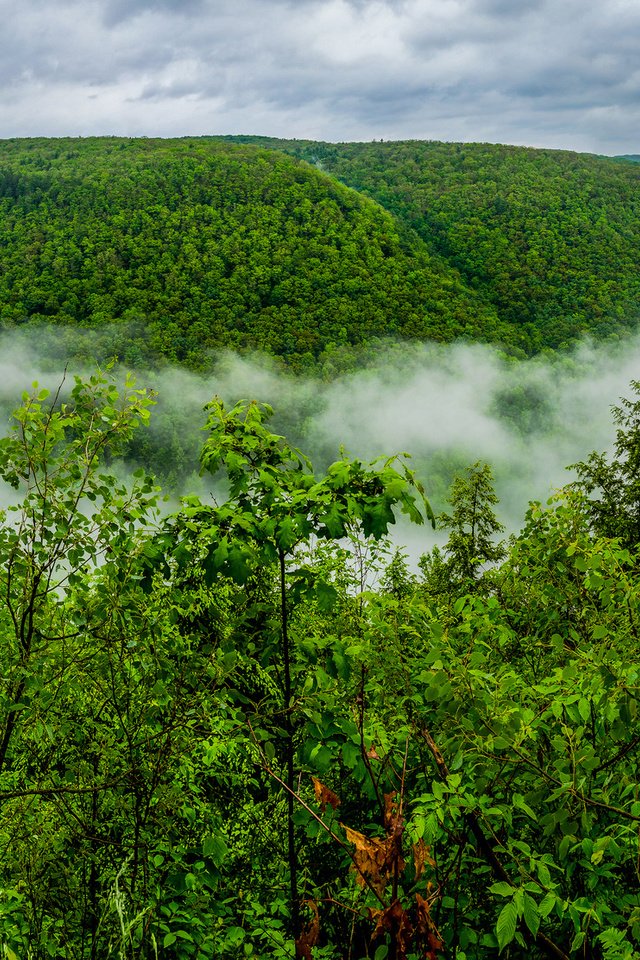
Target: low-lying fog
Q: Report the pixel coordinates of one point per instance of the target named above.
(447, 406)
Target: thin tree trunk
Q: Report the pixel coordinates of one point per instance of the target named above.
(292, 853)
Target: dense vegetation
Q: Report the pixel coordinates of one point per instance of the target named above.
(193, 246)
(220, 738)
(549, 238)
(178, 248)
(245, 727)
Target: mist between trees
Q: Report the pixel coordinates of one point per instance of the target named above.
(446, 405)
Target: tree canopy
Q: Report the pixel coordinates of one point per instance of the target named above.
(548, 238)
(219, 738)
(176, 249)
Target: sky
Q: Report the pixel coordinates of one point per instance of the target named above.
(546, 73)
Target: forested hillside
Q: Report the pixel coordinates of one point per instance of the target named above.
(190, 246)
(197, 245)
(549, 238)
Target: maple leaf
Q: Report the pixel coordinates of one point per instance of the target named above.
(324, 796)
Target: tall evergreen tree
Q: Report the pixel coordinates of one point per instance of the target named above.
(613, 485)
(473, 525)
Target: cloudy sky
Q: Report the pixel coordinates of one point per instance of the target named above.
(554, 73)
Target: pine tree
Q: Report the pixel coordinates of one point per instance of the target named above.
(473, 525)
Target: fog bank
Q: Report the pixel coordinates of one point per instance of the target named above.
(447, 406)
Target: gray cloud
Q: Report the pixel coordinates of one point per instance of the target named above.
(554, 73)
(117, 11)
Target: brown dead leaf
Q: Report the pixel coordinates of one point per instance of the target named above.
(370, 859)
(393, 820)
(395, 921)
(390, 809)
(310, 935)
(421, 856)
(375, 858)
(427, 935)
(324, 796)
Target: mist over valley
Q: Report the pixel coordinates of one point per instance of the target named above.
(461, 302)
(447, 406)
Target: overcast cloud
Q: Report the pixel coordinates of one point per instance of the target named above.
(554, 73)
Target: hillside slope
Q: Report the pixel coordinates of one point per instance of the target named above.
(551, 239)
(195, 245)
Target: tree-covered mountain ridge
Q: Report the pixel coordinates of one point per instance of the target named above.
(548, 237)
(304, 250)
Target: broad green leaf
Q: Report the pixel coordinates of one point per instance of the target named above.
(502, 889)
(531, 914)
(520, 804)
(506, 925)
(326, 595)
(216, 848)
(577, 941)
(547, 904)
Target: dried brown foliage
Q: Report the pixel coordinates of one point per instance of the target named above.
(325, 796)
(310, 935)
(379, 865)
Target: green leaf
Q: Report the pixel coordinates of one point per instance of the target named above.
(501, 889)
(288, 534)
(235, 936)
(577, 941)
(520, 804)
(334, 521)
(530, 913)
(216, 848)
(238, 567)
(506, 925)
(376, 518)
(547, 904)
(326, 595)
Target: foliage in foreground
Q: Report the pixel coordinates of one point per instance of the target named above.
(219, 739)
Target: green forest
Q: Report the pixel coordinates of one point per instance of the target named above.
(244, 722)
(547, 238)
(248, 729)
(177, 249)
